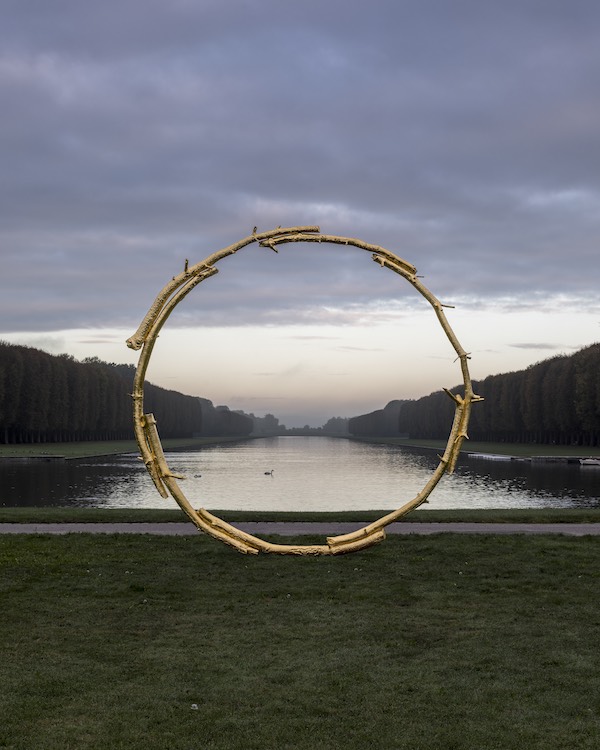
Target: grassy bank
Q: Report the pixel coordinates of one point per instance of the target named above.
(433, 643)
(128, 515)
(101, 448)
(85, 449)
(522, 450)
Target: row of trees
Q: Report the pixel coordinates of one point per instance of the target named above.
(46, 398)
(556, 401)
(269, 425)
(382, 423)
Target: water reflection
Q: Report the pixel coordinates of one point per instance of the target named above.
(309, 473)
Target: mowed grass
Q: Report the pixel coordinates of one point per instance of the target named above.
(428, 643)
(520, 450)
(89, 448)
(86, 449)
(39, 515)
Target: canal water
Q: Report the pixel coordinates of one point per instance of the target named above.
(308, 474)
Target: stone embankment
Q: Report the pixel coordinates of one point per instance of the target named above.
(50, 458)
(577, 460)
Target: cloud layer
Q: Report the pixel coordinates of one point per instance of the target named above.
(463, 136)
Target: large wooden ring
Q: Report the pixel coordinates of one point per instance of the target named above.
(145, 425)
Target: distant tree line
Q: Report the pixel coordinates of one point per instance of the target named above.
(269, 425)
(220, 421)
(335, 427)
(382, 422)
(47, 398)
(556, 401)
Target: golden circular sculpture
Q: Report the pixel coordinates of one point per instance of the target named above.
(146, 431)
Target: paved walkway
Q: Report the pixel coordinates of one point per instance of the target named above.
(301, 529)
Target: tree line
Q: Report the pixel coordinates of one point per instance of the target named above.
(556, 401)
(269, 425)
(49, 398)
(381, 423)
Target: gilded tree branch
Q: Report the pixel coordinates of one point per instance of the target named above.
(147, 433)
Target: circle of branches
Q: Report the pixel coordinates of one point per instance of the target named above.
(146, 430)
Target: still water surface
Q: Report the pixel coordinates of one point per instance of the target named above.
(309, 473)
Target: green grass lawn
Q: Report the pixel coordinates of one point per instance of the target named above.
(99, 448)
(522, 450)
(139, 515)
(87, 448)
(428, 643)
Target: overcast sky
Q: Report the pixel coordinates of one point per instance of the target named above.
(462, 135)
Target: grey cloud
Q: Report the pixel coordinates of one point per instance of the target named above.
(533, 345)
(462, 136)
(359, 349)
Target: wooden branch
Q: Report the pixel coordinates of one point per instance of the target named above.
(146, 431)
(137, 340)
